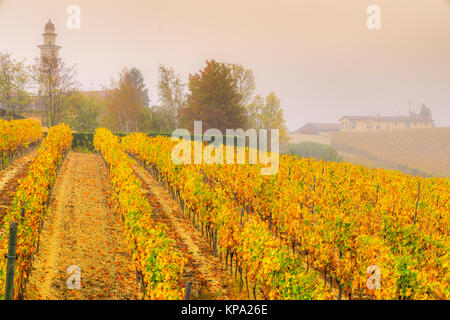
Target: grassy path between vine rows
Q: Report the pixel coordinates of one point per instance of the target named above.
(82, 229)
(9, 181)
(209, 277)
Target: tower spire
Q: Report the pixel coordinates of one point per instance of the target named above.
(49, 47)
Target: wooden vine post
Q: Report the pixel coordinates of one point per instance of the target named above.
(188, 291)
(11, 261)
(215, 243)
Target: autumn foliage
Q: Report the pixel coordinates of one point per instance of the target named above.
(31, 198)
(268, 265)
(153, 251)
(18, 134)
(339, 219)
(214, 99)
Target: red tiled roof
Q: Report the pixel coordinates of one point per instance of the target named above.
(315, 127)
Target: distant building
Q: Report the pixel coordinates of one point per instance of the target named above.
(49, 48)
(314, 132)
(317, 128)
(373, 123)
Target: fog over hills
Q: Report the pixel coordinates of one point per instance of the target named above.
(318, 56)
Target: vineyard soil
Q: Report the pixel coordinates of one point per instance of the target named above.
(82, 229)
(9, 180)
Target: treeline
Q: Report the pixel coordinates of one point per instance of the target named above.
(221, 95)
(47, 88)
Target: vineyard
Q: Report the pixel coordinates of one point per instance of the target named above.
(17, 136)
(159, 266)
(416, 151)
(337, 219)
(315, 230)
(30, 201)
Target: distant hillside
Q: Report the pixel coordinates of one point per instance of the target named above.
(414, 151)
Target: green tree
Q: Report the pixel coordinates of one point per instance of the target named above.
(254, 110)
(87, 113)
(15, 80)
(245, 82)
(268, 114)
(137, 77)
(214, 99)
(171, 97)
(161, 119)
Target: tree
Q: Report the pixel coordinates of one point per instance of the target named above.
(138, 79)
(268, 115)
(214, 99)
(171, 96)
(254, 110)
(245, 82)
(162, 119)
(425, 113)
(87, 114)
(15, 79)
(125, 105)
(57, 88)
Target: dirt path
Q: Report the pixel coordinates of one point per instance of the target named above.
(9, 172)
(9, 180)
(82, 229)
(209, 277)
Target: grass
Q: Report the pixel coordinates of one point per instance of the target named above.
(314, 150)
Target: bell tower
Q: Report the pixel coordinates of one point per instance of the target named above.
(49, 48)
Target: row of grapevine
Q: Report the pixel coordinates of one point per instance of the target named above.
(30, 203)
(159, 265)
(342, 219)
(17, 135)
(267, 265)
(346, 218)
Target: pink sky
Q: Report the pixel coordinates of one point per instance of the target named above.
(317, 55)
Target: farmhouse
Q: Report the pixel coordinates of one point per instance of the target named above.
(314, 132)
(317, 128)
(369, 123)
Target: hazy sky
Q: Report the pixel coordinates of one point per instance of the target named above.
(317, 55)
